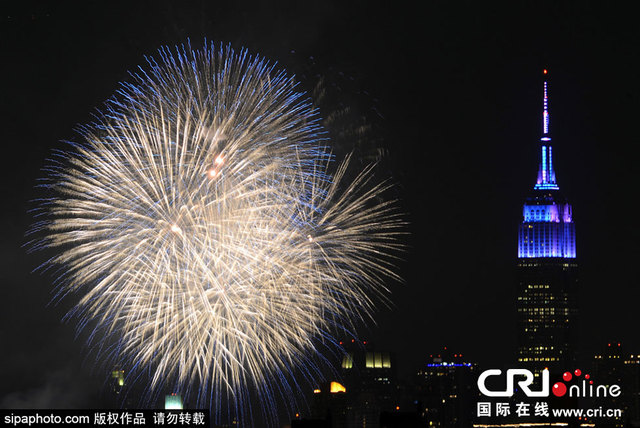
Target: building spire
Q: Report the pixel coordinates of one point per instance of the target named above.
(545, 110)
(546, 174)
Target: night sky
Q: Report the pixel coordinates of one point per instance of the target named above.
(452, 90)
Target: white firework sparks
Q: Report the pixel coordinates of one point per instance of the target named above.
(208, 240)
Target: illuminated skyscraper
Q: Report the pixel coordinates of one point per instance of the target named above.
(547, 286)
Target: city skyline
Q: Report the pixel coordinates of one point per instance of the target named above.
(461, 136)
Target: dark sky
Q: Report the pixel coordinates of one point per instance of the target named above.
(453, 89)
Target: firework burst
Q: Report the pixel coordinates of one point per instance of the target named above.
(209, 236)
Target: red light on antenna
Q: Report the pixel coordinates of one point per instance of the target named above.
(544, 71)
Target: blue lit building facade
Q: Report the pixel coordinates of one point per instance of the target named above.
(547, 280)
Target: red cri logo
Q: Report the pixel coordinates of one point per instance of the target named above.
(559, 388)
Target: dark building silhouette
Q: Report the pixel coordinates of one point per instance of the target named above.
(332, 404)
(547, 281)
(613, 366)
(310, 423)
(399, 419)
(446, 390)
(370, 379)
(366, 390)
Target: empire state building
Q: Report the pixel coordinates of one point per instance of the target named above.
(547, 281)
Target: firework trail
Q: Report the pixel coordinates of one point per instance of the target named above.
(208, 234)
